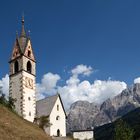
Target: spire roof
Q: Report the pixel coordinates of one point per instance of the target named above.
(23, 33)
(22, 39)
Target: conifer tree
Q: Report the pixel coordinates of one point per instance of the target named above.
(123, 131)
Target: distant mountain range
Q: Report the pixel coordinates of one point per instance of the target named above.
(84, 115)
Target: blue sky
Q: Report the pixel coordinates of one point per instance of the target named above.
(104, 34)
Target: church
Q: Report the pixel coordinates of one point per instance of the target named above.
(22, 88)
(53, 108)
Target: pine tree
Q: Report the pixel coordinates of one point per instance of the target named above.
(123, 131)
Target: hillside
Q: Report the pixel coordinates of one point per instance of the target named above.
(106, 132)
(12, 127)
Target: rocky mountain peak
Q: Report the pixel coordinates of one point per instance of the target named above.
(83, 115)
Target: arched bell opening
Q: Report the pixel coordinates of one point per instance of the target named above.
(16, 67)
(29, 67)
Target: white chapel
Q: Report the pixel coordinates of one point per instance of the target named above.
(53, 108)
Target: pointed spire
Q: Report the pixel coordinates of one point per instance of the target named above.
(23, 33)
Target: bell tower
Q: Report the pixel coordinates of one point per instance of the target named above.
(22, 76)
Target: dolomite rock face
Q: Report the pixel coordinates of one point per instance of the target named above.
(84, 115)
(81, 115)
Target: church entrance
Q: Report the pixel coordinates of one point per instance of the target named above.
(58, 133)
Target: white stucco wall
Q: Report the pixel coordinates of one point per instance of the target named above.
(58, 124)
(82, 135)
(29, 105)
(21, 93)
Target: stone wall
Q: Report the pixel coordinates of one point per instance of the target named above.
(82, 135)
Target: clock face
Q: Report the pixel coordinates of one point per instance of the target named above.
(29, 82)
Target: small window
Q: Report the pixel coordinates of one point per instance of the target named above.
(58, 118)
(16, 67)
(29, 53)
(57, 107)
(29, 113)
(29, 98)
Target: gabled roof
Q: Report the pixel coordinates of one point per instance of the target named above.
(22, 41)
(45, 106)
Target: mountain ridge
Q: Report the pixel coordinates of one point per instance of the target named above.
(85, 115)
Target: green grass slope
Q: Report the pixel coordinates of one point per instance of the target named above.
(106, 132)
(12, 127)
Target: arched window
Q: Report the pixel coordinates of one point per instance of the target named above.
(29, 113)
(29, 67)
(57, 107)
(16, 67)
(58, 118)
(29, 53)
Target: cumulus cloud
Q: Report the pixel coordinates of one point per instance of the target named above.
(74, 89)
(4, 84)
(82, 69)
(97, 92)
(137, 80)
(47, 85)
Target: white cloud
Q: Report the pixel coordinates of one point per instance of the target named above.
(47, 85)
(49, 80)
(137, 80)
(82, 69)
(4, 83)
(74, 89)
(97, 92)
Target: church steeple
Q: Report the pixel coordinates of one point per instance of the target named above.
(23, 33)
(22, 76)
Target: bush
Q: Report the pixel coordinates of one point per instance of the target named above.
(10, 103)
(7, 103)
(3, 99)
(43, 121)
